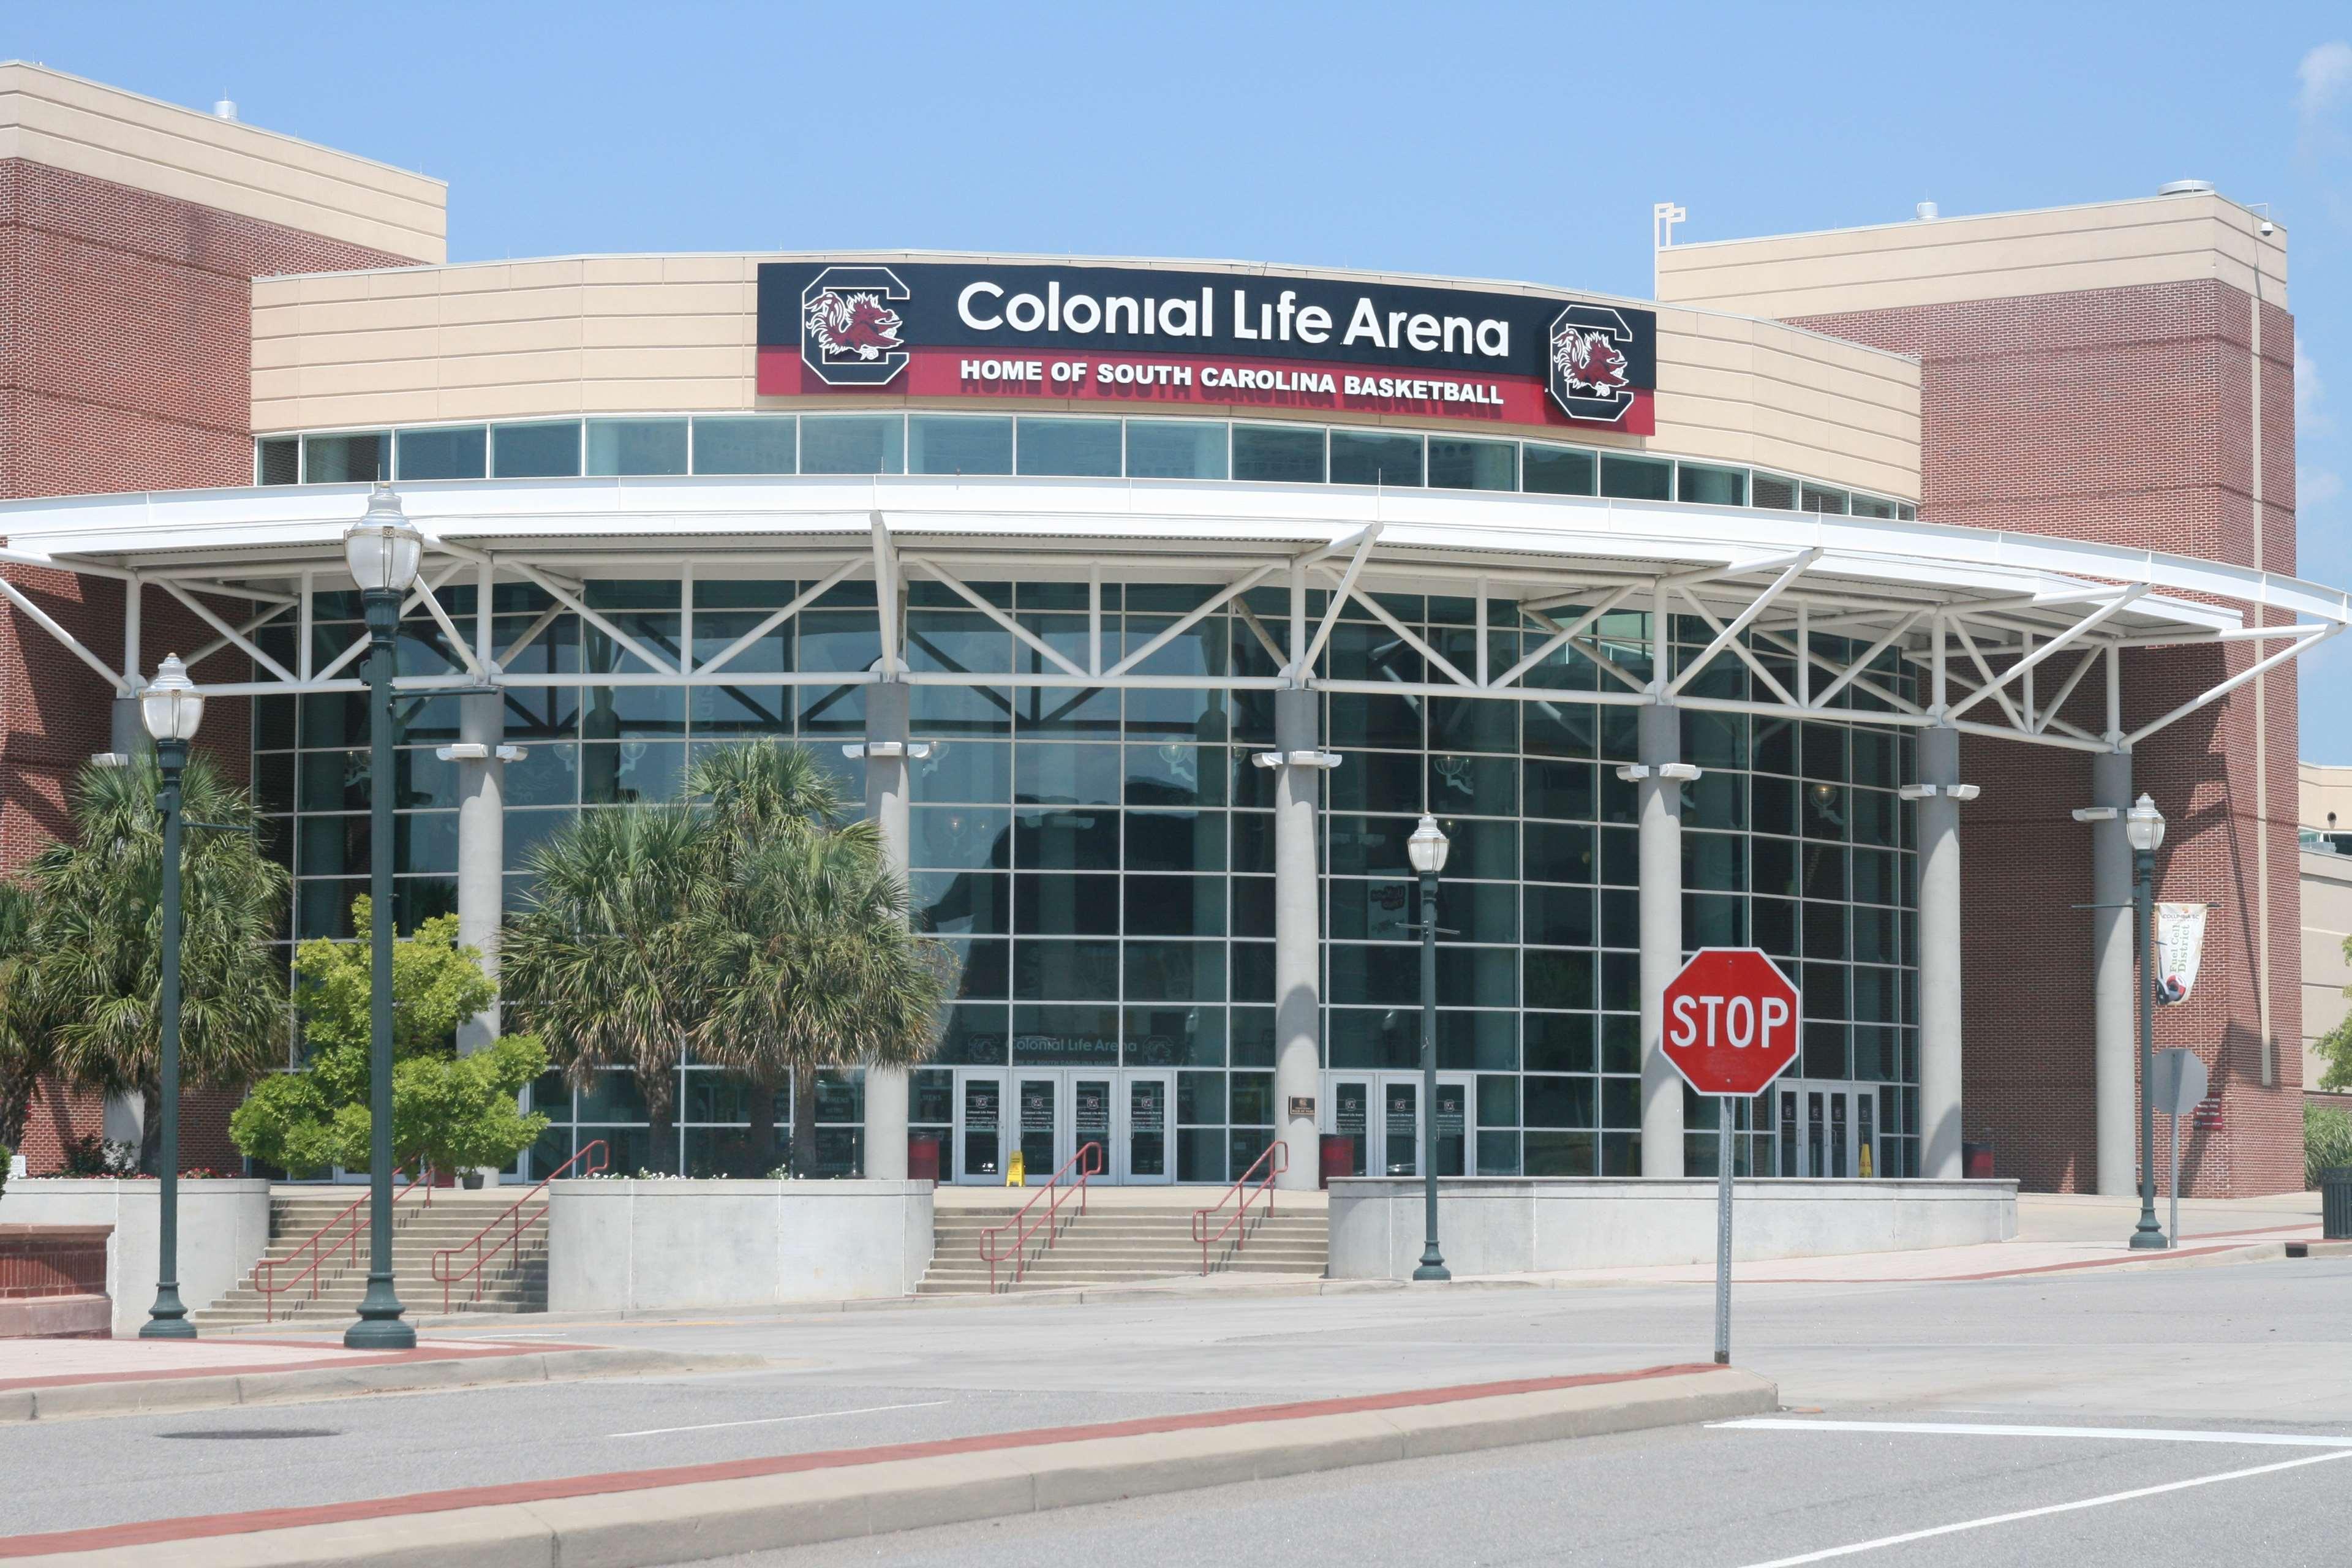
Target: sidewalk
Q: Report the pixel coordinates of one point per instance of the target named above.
(50, 1380)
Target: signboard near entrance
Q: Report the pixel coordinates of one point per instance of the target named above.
(1731, 1028)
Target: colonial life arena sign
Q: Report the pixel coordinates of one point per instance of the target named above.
(1148, 335)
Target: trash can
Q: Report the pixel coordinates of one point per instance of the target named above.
(2336, 1203)
(1976, 1162)
(923, 1160)
(1339, 1157)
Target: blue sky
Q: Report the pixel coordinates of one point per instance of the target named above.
(1521, 141)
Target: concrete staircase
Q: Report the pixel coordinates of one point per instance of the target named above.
(1112, 1244)
(513, 1281)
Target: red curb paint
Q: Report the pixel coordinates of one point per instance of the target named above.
(205, 1526)
(384, 1358)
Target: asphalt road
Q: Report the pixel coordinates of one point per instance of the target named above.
(2265, 1346)
(1706, 1498)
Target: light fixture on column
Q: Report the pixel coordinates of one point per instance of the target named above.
(383, 553)
(2143, 830)
(1427, 849)
(171, 708)
(2144, 825)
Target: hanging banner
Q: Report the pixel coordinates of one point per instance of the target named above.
(2179, 944)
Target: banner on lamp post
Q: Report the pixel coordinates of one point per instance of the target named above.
(2179, 944)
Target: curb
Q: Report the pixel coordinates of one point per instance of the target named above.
(651, 1517)
(73, 1401)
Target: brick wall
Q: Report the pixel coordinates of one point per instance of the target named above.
(2123, 415)
(125, 365)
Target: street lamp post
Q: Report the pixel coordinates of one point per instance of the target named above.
(2143, 830)
(172, 709)
(383, 552)
(1427, 848)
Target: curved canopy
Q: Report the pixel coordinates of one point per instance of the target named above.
(1989, 613)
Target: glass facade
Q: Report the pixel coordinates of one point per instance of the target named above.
(1036, 445)
(1101, 859)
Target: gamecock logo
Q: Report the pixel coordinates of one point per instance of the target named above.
(1587, 361)
(853, 324)
(1591, 370)
(852, 335)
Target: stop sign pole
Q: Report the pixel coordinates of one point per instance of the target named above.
(1731, 1020)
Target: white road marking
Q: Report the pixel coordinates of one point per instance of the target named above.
(1911, 1535)
(777, 1420)
(1987, 1430)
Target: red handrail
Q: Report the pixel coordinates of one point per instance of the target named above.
(1278, 1159)
(265, 1273)
(1052, 1193)
(514, 1238)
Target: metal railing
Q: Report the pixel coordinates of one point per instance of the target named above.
(1241, 1194)
(513, 1221)
(265, 1273)
(1087, 1161)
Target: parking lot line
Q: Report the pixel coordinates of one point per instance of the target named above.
(1990, 1429)
(1910, 1535)
(778, 1420)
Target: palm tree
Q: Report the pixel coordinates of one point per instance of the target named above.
(809, 962)
(600, 964)
(24, 1046)
(88, 982)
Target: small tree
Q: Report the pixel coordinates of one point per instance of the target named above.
(24, 1045)
(84, 996)
(449, 1112)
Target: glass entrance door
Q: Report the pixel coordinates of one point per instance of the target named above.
(1380, 1114)
(1093, 1100)
(1143, 1151)
(1826, 1129)
(1037, 1101)
(979, 1128)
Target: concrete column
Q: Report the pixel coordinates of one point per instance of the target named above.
(481, 852)
(124, 1119)
(1298, 936)
(1939, 957)
(127, 734)
(2114, 1053)
(1661, 817)
(885, 805)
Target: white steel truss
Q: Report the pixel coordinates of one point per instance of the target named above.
(2002, 630)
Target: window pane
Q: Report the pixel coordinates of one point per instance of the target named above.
(1636, 478)
(535, 451)
(1871, 506)
(636, 445)
(744, 445)
(278, 460)
(1772, 491)
(945, 444)
(1175, 449)
(1272, 452)
(459, 454)
(1369, 458)
(1087, 446)
(852, 444)
(1555, 471)
(1712, 487)
(345, 459)
(1817, 499)
(1457, 465)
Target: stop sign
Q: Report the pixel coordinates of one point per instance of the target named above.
(1731, 1021)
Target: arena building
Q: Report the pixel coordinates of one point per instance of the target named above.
(1834, 601)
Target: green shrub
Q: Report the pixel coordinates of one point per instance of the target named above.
(2326, 1141)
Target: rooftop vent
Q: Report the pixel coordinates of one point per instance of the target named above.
(224, 109)
(2185, 188)
(1925, 211)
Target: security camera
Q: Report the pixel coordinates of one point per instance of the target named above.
(2268, 228)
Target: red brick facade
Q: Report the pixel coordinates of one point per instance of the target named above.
(2124, 416)
(125, 365)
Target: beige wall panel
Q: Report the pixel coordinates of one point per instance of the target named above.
(662, 333)
(2054, 250)
(377, 408)
(89, 129)
(357, 380)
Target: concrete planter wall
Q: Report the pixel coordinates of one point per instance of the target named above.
(1508, 1225)
(632, 1245)
(224, 1230)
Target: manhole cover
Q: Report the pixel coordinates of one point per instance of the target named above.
(253, 1434)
